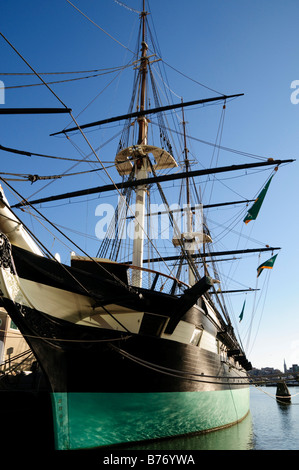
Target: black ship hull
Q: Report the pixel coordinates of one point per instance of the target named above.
(128, 380)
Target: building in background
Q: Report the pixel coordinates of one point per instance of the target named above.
(285, 369)
(15, 354)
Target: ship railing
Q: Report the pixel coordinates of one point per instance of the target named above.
(156, 280)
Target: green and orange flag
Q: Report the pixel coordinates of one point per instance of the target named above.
(266, 265)
(255, 208)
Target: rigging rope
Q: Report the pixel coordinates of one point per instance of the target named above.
(178, 373)
(29, 154)
(99, 27)
(60, 73)
(34, 178)
(216, 146)
(127, 7)
(85, 138)
(41, 79)
(88, 293)
(266, 283)
(63, 340)
(221, 147)
(275, 396)
(59, 81)
(102, 91)
(192, 79)
(80, 161)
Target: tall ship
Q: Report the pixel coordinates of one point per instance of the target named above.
(135, 340)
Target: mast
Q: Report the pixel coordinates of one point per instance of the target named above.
(141, 166)
(189, 211)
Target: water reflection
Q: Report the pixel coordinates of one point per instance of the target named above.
(236, 437)
(275, 424)
(283, 407)
(285, 412)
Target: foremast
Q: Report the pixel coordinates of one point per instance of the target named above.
(189, 211)
(141, 165)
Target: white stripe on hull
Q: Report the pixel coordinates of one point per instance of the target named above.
(68, 306)
(78, 309)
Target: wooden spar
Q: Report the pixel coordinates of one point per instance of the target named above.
(220, 204)
(215, 260)
(34, 110)
(148, 111)
(127, 184)
(193, 208)
(233, 291)
(215, 253)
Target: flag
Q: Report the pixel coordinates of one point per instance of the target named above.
(266, 265)
(242, 312)
(255, 208)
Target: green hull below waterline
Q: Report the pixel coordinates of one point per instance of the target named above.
(91, 420)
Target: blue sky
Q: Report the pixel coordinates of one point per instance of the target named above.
(230, 47)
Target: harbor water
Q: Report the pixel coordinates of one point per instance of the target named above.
(270, 425)
(275, 425)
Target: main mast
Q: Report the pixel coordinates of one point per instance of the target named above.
(141, 165)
